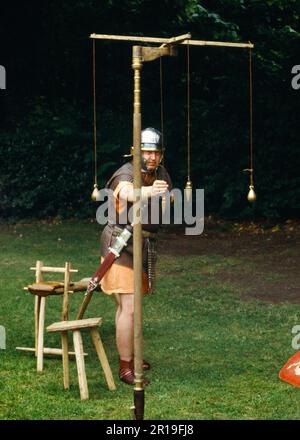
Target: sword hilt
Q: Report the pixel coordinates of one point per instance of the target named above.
(93, 284)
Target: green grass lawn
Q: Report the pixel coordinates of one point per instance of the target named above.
(214, 355)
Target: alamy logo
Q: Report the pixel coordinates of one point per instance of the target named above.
(150, 213)
(296, 78)
(296, 339)
(2, 78)
(2, 338)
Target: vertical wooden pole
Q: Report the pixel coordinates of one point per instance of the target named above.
(137, 230)
(103, 359)
(64, 335)
(78, 347)
(40, 356)
(37, 302)
(65, 359)
(40, 305)
(65, 311)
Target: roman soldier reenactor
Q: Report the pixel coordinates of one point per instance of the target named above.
(119, 279)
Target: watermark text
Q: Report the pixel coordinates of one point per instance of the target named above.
(296, 338)
(296, 79)
(2, 78)
(2, 338)
(175, 207)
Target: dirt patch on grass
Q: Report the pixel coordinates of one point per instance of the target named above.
(267, 256)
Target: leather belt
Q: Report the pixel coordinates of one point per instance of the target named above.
(145, 234)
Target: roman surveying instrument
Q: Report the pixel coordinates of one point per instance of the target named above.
(140, 55)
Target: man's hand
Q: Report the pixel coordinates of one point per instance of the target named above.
(159, 187)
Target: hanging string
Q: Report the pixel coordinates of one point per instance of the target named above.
(96, 191)
(251, 115)
(188, 185)
(188, 114)
(161, 104)
(163, 200)
(94, 112)
(251, 194)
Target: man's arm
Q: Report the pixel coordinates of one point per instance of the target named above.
(159, 187)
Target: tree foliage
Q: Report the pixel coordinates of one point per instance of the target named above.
(46, 142)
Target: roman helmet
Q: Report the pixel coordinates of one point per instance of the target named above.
(151, 140)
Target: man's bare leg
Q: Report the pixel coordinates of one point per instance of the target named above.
(124, 326)
(124, 337)
(116, 298)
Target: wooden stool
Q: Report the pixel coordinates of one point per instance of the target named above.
(92, 325)
(39, 309)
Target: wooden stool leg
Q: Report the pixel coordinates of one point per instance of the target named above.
(37, 302)
(65, 359)
(78, 347)
(103, 359)
(40, 347)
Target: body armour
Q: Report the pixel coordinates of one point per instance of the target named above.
(125, 174)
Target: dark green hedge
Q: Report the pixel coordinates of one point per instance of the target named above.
(46, 145)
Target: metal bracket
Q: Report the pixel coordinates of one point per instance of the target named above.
(152, 53)
(166, 49)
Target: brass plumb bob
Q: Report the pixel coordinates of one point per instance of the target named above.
(251, 194)
(95, 193)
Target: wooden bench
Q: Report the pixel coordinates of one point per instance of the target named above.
(90, 324)
(42, 289)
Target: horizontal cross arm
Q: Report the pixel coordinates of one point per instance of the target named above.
(216, 43)
(173, 40)
(181, 39)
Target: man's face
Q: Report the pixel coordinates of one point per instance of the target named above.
(152, 159)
